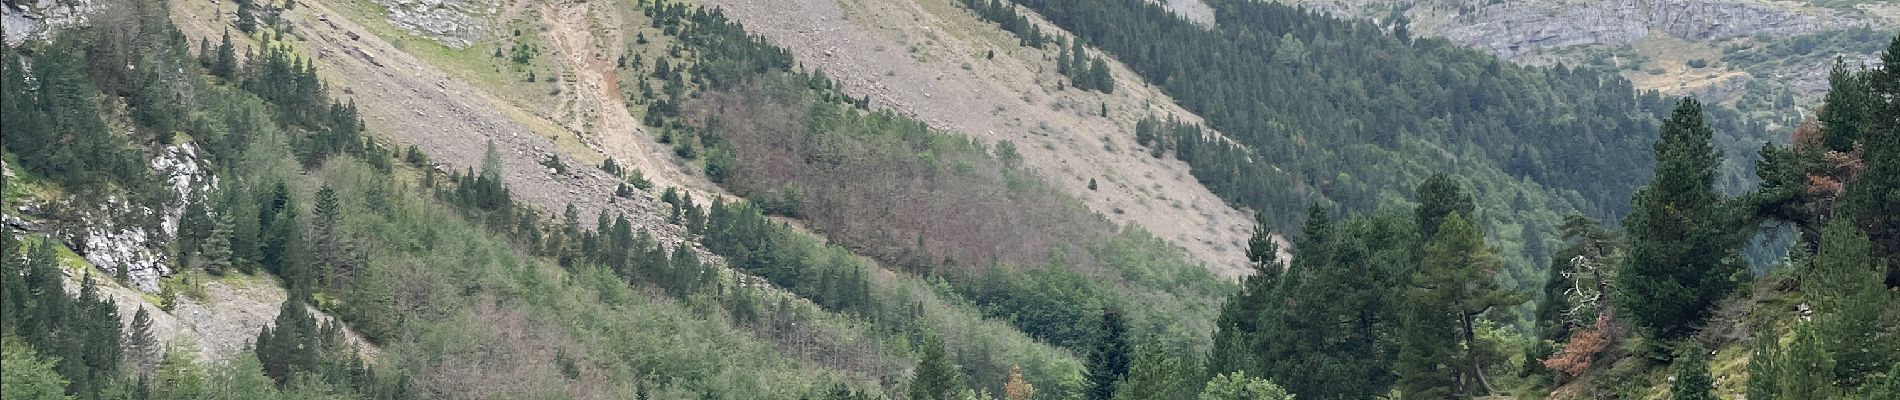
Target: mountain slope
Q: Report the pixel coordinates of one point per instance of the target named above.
(930, 60)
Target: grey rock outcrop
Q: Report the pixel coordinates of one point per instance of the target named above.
(1510, 28)
(112, 244)
(110, 237)
(33, 20)
(455, 23)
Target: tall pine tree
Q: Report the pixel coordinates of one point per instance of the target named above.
(1850, 303)
(1678, 264)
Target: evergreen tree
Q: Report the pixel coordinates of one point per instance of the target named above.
(246, 16)
(936, 378)
(332, 258)
(1239, 386)
(178, 376)
(1108, 361)
(1872, 198)
(1452, 289)
(194, 226)
(215, 253)
(1764, 366)
(225, 65)
(1847, 112)
(1678, 263)
(1807, 370)
(1844, 286)
(1440, 197)
(1156, 373)
(141, 347)
(25, 375)
(1692, 376)
(1099, 78)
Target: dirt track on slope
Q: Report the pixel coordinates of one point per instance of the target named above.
(927, 59)
(603, 120)
(411, 102)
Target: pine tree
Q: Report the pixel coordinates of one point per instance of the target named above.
(936, 378)
(1846, 113)
(1845, 288)
(25, 375)
(246, 18)
(194, 225)
(1692, 376)
(1453, 287)
(1678, 263)
(1108, 361)
(1764, 366)
(25, 128)
(1099, 78)
(1873, 196)
(1807, 370)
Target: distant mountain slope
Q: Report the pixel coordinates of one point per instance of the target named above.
(1713, 49)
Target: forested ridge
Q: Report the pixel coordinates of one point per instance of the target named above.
(1314, 109)
(945, 269)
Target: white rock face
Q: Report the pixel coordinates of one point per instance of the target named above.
(455, 23)
(113, 246)
(33, 20)
(112, 243)
(180, 166)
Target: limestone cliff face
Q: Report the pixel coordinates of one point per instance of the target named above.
(1510, 28)
(455, 23)
(32, 19)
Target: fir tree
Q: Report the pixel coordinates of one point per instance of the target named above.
(215, 253)
(141, 347)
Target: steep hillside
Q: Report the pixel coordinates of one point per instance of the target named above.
(932, 60)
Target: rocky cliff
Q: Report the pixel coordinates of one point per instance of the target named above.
(455, 23)
(1510, 28)
(33, 19)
